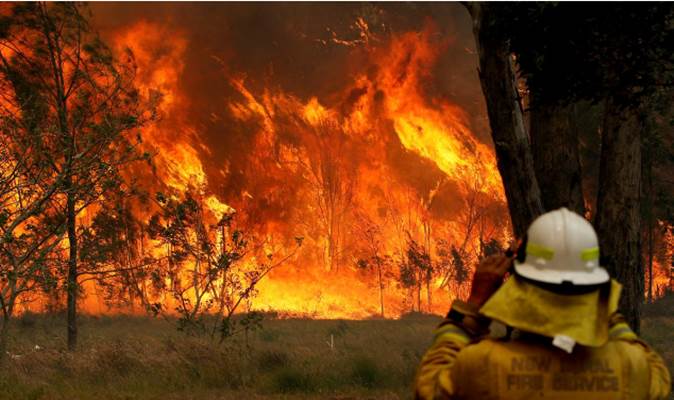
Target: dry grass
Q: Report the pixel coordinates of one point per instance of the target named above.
(129, 358)
(138, 358)
(657, 328)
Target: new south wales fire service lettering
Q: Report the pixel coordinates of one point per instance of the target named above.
(541, 373)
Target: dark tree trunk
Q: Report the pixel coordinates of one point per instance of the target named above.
(4, 329)
(650, 260)
(618, 220)
(513, 155)
(554, 145)
(650, 224)
(72, 288)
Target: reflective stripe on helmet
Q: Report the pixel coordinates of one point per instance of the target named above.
(540, 251)
(590, 254)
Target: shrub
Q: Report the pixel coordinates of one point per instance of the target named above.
(290, 380)
(28, 319)
(269, 335)
(365, 372)
(116, 359)
(270, 360)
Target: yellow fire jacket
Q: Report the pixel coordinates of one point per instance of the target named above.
(460, 367)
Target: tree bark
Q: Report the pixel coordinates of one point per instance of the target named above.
(650, 259)
(513, 155)
(4, 336)
(554, 145)
(650, 224)
(618, 220)
(72, 288)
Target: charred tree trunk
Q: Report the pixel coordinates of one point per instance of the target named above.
(554, 145)
(650, 259)
(72, 289)
(618, 220)
(650, 223)
(7, 311)
(513, 155)
(4, 337)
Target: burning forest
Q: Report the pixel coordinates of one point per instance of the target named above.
(370, 193)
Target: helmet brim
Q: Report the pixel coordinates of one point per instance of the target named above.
(594, 277)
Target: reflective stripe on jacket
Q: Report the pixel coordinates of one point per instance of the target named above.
(457, 367)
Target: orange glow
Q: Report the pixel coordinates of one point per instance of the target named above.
(432, 128)
(663, 256)
(338, 154)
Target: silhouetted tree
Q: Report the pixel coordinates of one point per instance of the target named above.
(511, 141)
(453, 263)
(86, 101)
(415, 269)
(205, 278)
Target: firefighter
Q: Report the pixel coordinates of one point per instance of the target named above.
(566, 339)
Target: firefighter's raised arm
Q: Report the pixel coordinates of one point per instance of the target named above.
(462, 325)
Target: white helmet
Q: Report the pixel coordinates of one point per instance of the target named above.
(562, 246)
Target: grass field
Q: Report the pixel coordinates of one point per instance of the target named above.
(128, 358)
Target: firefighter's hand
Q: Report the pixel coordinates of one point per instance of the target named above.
(488, 278)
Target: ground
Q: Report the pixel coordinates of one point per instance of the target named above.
(137, 358)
